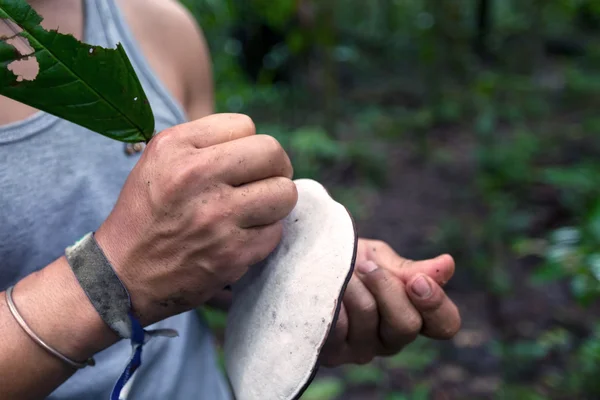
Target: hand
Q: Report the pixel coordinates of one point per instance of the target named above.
(203, 203)
(389, 301)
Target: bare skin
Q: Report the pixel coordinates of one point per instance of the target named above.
(201, 251)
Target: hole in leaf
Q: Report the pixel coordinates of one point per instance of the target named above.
(26, 69)
(25, 65)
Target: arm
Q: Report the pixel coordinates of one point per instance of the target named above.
(171, 257)
(57, 310)
(51, 300)
(176, 48)
(196, 66)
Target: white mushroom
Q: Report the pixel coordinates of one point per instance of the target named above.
(284, 308)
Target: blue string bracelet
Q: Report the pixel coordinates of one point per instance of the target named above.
(111, 300)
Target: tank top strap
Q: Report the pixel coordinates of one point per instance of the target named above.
(106, 26)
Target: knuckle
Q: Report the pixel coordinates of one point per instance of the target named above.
(411, 325)
(213, 217)
(181, 177)
(288, 193)
(382, 281)
(368, 307)
(451, 329)
(163, 141)
(271, 146)
(247, 123)
(286, 167)
(172, 184)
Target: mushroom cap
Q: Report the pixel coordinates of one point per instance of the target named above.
(285, 307)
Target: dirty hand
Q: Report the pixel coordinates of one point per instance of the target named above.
(389, 301)
(203, 203)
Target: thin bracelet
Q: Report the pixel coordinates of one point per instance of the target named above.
(15, 313)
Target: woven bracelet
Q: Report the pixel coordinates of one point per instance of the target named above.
(111, 300)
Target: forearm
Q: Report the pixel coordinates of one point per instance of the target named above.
(55, 307)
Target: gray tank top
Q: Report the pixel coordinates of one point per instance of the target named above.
(59, 181)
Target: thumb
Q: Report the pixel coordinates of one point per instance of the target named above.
(440, 269)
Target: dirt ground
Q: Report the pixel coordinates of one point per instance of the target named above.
(407, 214)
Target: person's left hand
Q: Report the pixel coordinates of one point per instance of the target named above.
(389, 301)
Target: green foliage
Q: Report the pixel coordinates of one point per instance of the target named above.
(388, 79)
(574, 255)
(311, 149)
(91, 86)
(324, 389)
(415, 357)
(420, 392)
(585, 367)
(521, 392)
(577, 184)
(527, 351)
(216, 319)
(368, 374)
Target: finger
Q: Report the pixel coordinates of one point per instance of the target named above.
(399, 321)
(340, 332)
(363, 321)
(264, 202)
(215, 129)
(249, 159)
(335, 351)
(441, 318)
(257, 243)
(441, 268)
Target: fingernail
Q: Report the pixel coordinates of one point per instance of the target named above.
(366, 266)
(421, 288)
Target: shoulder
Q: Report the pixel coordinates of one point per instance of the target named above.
(170, 35)
(164, 20)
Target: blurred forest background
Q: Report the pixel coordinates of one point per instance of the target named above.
(463, 126)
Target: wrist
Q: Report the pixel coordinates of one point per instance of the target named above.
(57, 309)
(118, 255)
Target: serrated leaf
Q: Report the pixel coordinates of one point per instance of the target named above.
(91, 86)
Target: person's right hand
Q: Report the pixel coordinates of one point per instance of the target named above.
(203, 204)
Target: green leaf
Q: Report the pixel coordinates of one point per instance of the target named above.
(91, 86)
